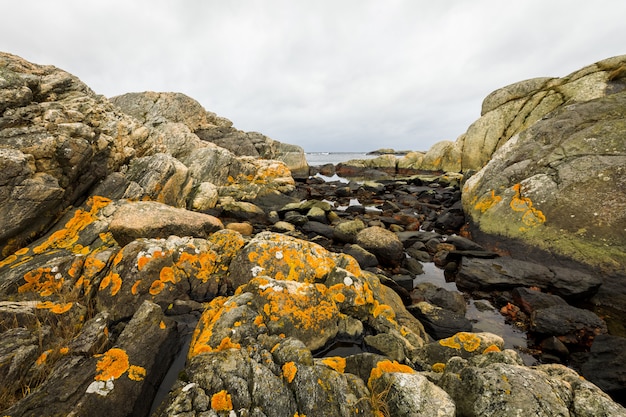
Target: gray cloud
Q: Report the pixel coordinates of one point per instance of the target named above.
(327, 75)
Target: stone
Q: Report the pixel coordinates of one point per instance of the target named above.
(502, 390)
(346, 231)
(573, 325)
(414, 395)
(449, 300)
(205, 197)
(605, 365)
(364, 258)
(148, 219)
(508, 273)
(382, 243)
(531, 300)
(438, 322)
(462, 344)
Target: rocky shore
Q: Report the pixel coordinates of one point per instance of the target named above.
(158, 261)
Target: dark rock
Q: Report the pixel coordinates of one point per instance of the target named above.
(364, 258)
(572, 325)
(531, 300)
(317, 228)
(438, 322)
(553, 345)
(440, 297)
(606, 365)
(507, 273)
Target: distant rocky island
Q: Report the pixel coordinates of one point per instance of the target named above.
(157, 261)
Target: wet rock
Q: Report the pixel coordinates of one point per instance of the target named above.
(149, 219)
(438, 322)
(605, 365)
(572, 325)
(508, 273)
(531, 300)
(448, 300)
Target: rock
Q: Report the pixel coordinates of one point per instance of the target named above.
(443, 156)
(531, 300)
(242, 210)
(283, 257)
(148, 219)
(438, 322)
(244, 228)
(205, 197)
(448, 300)
(382, 243)
(347, 231)
(517, 195)
(414, 395)
(502, 390)
(573, 325)
(51, 153)
(364, 258)
(508, 273)
(463, 344)
(605, 365)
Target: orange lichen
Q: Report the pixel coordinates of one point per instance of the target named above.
(289, 371)
(112, 279)
(226, 344)
(112, 364)
(383, 309)
(162, 325)
(283, 259)
(201, 339)
(438, 367)
(43, 357)
(531, 216)
(462, 340)
(57, 308)
(135, 288)
(221, 401)
(43, 281)
(491, 348)
(339, 297)
(487, 202)
(337, 363)
(307, 307)
(156, 287)
(167, 275)
(64, 350)
(387, 366)
(92, 266)
(136, 373)
(67, 237)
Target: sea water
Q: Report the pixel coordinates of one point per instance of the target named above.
(323, 158)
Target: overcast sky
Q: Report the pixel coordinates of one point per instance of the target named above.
(328, 75)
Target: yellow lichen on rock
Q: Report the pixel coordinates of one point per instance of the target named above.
(289, 371)
(56, 308)
(201, 339)
(488, 202)
(531, 216)
(336, 362)
(221, 401)
(136, 373)
(112, 364)
(462, 340)
(387, 366)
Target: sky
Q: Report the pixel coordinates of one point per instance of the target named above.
(328, 75)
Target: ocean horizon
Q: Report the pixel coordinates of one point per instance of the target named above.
(323, 158)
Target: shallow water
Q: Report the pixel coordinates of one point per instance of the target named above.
(483, 320)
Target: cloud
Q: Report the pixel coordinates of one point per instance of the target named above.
(327, 75)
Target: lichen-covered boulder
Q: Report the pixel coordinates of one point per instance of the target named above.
(59, 139)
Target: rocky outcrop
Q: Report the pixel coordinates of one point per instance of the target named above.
(169, 112)
(558, 187)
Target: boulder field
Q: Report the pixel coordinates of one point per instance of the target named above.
(157, 261)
